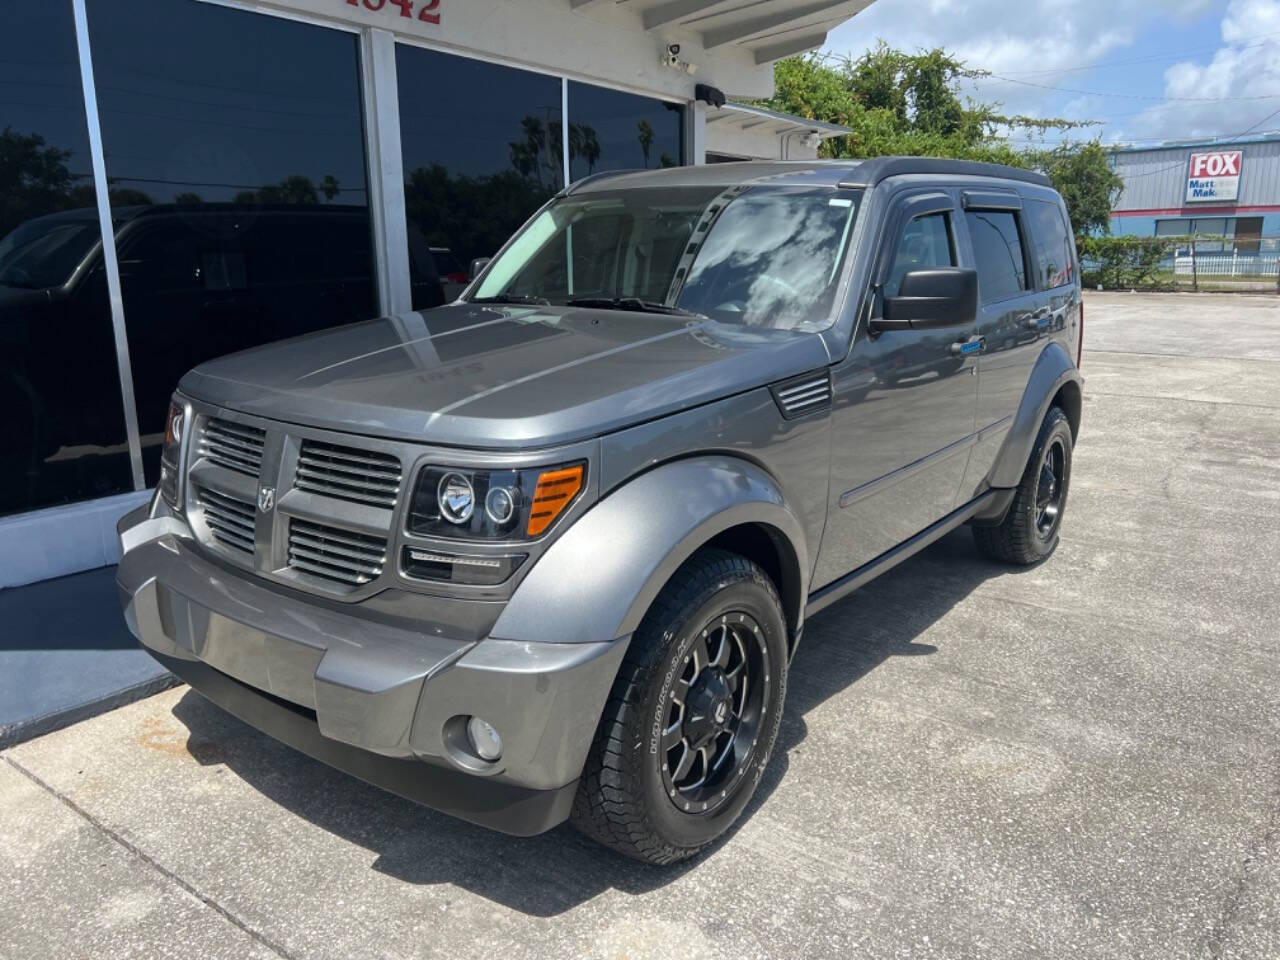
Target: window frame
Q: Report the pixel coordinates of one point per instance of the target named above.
(1030, 278)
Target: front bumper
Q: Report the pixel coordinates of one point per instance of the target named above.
(376, 700)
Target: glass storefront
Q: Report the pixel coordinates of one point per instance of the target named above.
(237, 170)
(235, 154)
(63, 436)
(482, 146)
(613, 130)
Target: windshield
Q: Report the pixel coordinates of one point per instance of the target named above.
(44, 253)
(762, 256)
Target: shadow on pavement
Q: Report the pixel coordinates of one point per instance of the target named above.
(552, 873)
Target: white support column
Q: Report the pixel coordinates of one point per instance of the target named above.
(386, 170)
(695, 133)
(110, 264)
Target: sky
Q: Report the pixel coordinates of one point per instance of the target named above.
(1151, 70)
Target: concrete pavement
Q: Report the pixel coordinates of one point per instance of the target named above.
(1077, 760)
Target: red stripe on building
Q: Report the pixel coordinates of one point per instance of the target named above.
(1196, 211)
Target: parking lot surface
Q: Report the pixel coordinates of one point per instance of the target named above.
(1076, 760)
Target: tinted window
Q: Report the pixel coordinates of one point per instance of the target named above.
(235, 150)
(997, 248)
(1052, 244)
(483, 149)
(62, 430)
(926, 242)
(611, 130)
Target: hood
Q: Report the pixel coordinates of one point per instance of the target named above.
(500, 377)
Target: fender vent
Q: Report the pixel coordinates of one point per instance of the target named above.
(803, 394)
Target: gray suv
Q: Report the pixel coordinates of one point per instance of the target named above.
(546, 552)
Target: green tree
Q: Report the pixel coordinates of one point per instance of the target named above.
(1083, 174)
(910, 104)
(645, 136)
(295, 188)
(329, 187)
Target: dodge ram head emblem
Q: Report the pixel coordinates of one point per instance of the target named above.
(266, 499)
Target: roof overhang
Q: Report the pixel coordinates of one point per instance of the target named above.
(742, 116)
(768, 29)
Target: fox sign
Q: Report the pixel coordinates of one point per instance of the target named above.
(1214, 176)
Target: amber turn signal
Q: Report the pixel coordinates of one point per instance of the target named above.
(555, 490)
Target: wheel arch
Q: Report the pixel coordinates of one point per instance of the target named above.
(600, 577)
(1054, 380)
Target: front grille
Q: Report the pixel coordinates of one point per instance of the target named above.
(233, 445)
(230, 519)
(361, 476)
(339, 555)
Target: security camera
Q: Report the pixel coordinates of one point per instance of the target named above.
(673, 50)
(671, 58)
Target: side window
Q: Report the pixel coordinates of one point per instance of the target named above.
(1052, 244)
(926, 242)
(997, 248)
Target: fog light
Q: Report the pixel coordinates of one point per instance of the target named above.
(484, 739)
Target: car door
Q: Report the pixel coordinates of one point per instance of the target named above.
(1014, 318)
(904, 404)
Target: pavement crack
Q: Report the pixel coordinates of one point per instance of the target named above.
(1217, 936)
(164, 871)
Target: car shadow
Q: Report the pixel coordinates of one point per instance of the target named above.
(549, 874)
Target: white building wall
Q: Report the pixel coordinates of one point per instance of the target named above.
(603, 43)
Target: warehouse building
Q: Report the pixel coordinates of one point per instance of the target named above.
(180, 179)
(1226, 192)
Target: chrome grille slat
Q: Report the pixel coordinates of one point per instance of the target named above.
(361, 476)
(231, 520)
(233, 445)
(336, 554)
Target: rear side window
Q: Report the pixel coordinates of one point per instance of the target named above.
(997, 248)
(1052, 244)
(926, 242)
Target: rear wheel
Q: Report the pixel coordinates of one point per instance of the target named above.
(1029, 532)
(692, 716)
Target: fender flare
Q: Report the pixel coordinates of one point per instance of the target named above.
(1053, 368)
(598, 579)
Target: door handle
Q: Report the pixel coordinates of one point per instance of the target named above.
(969, 348)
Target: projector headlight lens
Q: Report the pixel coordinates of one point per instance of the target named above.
(460, 503)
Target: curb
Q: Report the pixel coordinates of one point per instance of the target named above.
(15, 733)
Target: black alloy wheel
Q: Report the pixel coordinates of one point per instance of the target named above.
(716, 706)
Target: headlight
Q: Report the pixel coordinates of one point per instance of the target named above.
(171, 453)
(462, 504)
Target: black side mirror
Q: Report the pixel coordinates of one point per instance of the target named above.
(935, 297)
(478, 264)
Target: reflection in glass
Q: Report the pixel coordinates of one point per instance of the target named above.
(62, 430)
(482, 148)
(612, 130)
(755, 256)
(235, 150)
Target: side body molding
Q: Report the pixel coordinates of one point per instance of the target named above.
(596, 582)
(1053, 368)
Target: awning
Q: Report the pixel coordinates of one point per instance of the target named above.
(744, 117)
(770, 29)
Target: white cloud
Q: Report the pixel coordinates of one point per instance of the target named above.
(1247, 65)
(1030, 39)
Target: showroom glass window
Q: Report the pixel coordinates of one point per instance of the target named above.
(235, 151)
(62, 432)
(483, 149)
(612, 130)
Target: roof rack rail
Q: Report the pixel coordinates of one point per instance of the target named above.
(870, 172)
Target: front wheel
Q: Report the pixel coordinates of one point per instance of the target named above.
(1029, 532)
(693, 714)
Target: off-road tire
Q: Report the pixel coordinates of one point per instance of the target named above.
(1018, 539)
(622, 801)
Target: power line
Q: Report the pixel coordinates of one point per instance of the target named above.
(1136, 96)
(1149, 58)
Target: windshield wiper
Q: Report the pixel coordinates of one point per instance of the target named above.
(513, 298)
(633, 304)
